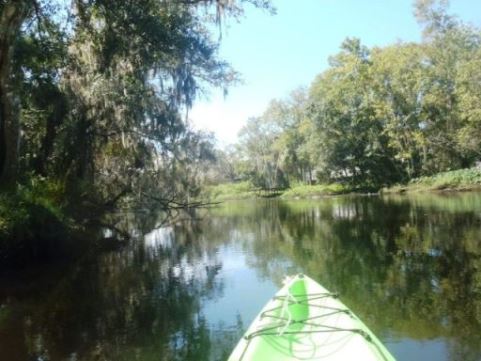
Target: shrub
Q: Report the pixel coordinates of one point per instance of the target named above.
(31, 217)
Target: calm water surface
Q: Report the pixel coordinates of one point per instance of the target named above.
(410, 267)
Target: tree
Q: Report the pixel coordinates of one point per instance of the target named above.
(277, 144)
(353, 145)
(12, 15)
(378, 116)
(449, 46)
(257, 139)
(99, 94)
(399, 86)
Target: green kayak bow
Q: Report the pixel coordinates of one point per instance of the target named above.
(304, 321)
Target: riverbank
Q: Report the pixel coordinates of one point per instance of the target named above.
(245, 190)
(456, 180)
(316, 190)
(229, 191)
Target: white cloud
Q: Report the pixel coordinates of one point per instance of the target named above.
(224, 116)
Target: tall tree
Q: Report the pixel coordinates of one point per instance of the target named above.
(99, 103)
(353, 145)
(12, 15)
(449, 45)
(399, 86)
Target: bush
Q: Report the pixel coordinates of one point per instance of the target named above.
(457, 179)
(304, 190)
(31, 218)
(227, 191)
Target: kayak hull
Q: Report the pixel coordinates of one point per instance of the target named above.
(304, 321)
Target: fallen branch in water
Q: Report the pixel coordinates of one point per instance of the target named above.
(172, 204)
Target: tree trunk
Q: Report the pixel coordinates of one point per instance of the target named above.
(11, 17)
(53, 122)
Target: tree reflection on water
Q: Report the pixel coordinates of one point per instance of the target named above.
(410, 267)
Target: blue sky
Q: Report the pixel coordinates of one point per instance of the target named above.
(276, 54)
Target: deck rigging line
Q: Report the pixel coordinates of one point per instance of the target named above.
(280, 328)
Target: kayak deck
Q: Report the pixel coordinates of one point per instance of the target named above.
(304, 321)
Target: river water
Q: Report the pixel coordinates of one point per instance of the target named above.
(408, 266)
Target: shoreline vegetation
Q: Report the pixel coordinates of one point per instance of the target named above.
(403, 114)
(245, 190)
(456, 180)
(92, 119)
(34, 224)
(92, 116)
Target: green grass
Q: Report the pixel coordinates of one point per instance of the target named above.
(306, 191)
(461, 179)
(245, 190)
(230, 191)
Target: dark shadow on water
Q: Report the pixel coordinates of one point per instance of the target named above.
(410, 267)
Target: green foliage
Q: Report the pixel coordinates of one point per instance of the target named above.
(277, 146)
(461, 179)
(226, 191)
(307, 191)
(34, 224)
(34, 207)
(93, 96)
(100, 91)
(246, 190)
(378, 116)
(353, 145)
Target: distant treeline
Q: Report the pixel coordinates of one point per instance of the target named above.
(376, 116)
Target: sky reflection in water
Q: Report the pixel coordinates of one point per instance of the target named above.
(410, 267)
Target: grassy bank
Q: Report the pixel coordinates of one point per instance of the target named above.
(245, 190)
(230, 191)
(456, 180)
(316, 190)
